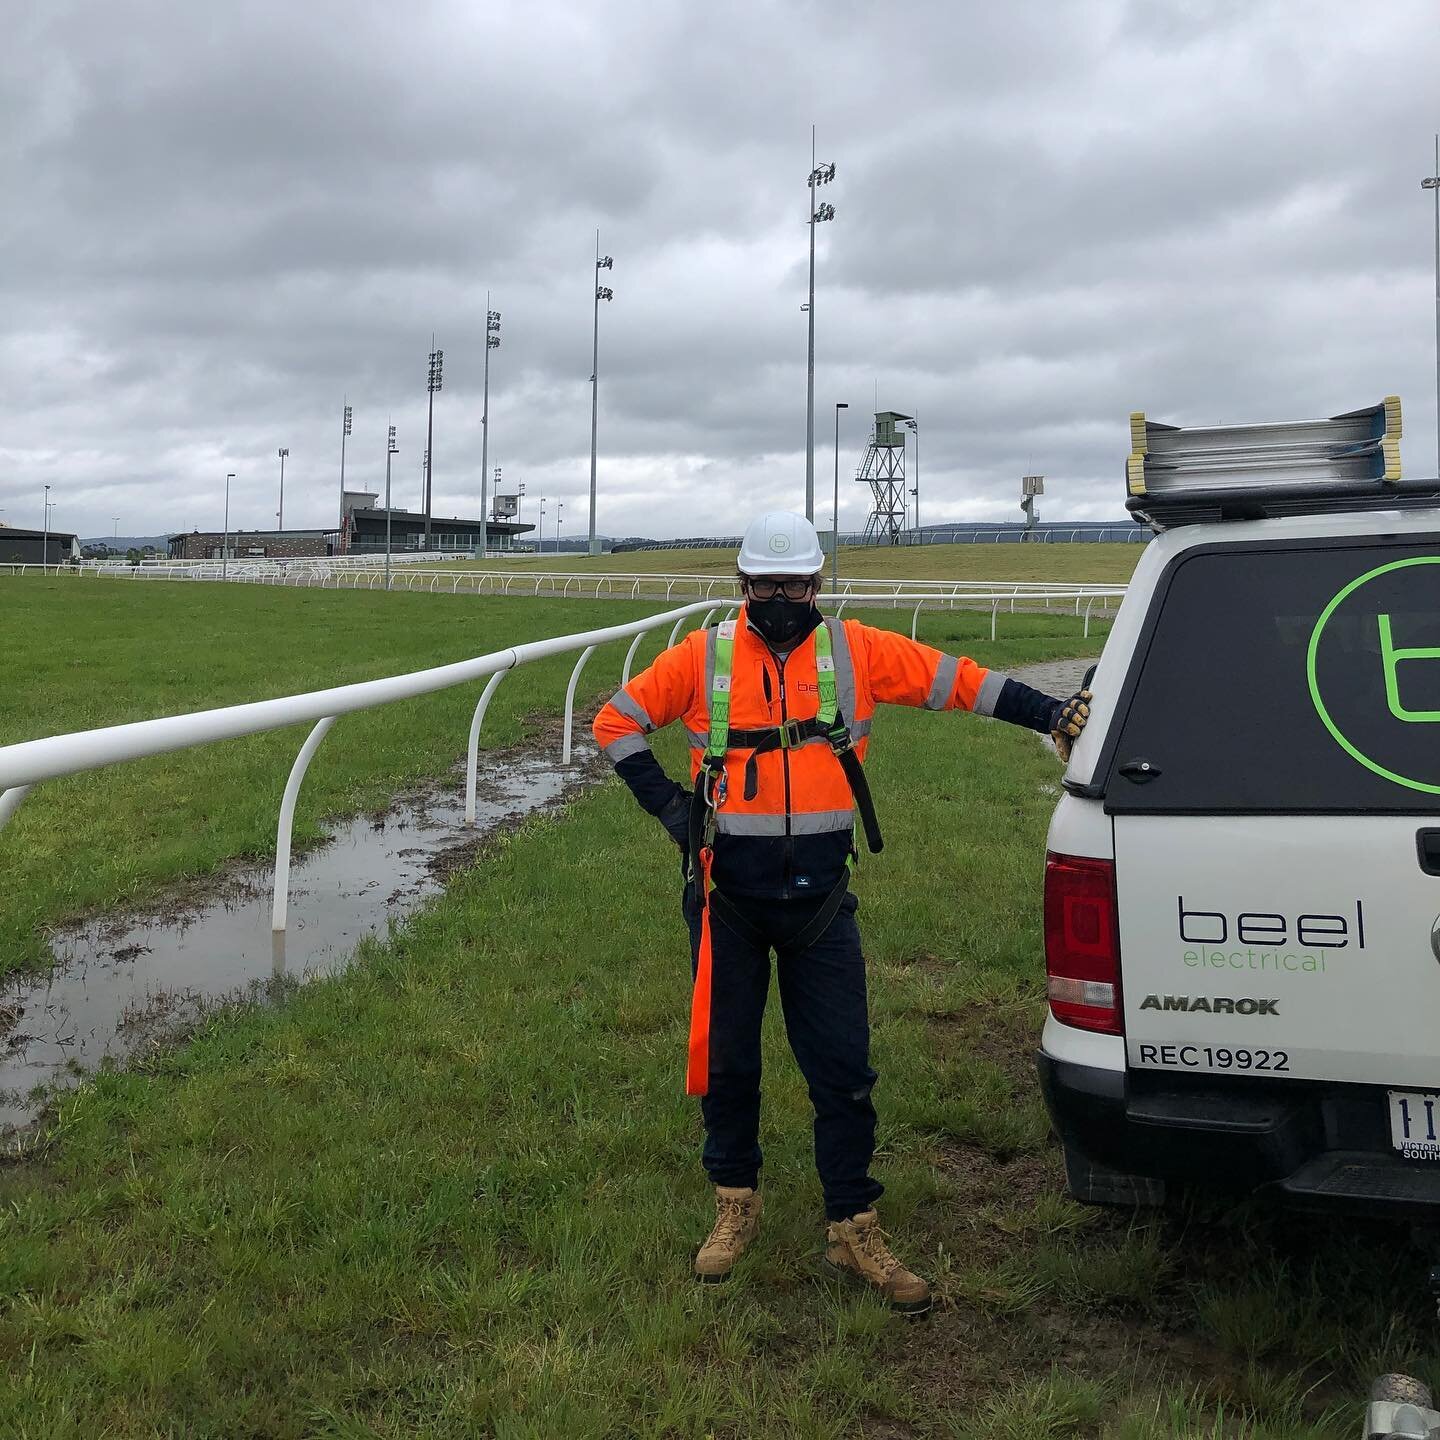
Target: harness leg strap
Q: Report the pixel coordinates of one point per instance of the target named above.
(731, 918)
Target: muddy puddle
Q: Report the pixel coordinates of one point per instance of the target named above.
(123, 984)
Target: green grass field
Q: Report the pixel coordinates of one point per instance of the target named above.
(1100, 564)
(103, 652)
(454, 1191)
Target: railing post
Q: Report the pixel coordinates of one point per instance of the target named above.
(280, 909)
(1088, 604)
(915, 619)
(472, 752)
(994, 610)
(10, 802)
(630, 658)
(585, 654)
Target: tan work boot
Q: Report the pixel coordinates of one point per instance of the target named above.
(857, 1245)
(737, 1223)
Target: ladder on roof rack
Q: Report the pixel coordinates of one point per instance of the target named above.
(1178, 476)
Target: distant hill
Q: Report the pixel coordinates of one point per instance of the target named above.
(123, 543)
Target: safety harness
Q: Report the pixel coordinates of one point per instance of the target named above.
(827, 724)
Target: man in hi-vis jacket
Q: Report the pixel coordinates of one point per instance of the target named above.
(777, 705)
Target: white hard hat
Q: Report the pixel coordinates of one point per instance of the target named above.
(780, 543)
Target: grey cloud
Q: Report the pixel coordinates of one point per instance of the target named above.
(223, 220)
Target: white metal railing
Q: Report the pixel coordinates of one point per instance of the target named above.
(562, 584)
(31, 762)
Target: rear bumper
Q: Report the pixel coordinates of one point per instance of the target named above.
(1319, 1146)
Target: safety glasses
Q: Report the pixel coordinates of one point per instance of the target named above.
(768, 589)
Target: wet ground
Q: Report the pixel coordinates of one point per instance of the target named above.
(122, 984)
(1060, 678)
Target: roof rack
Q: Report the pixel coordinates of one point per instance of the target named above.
(1248, 472)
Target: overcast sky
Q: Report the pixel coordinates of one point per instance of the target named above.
(220, 222)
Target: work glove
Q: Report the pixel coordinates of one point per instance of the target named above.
(1069, 721)
(675, 817)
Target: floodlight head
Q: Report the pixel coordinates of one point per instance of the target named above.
(1430, 182)
(604, 292)
(825, 212)
(284, 451)
(605, 262)
(492, 342)
(842, 404)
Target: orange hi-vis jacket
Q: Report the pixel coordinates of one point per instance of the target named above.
(784, 817)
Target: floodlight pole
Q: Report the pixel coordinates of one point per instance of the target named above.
(492, 342)
(819, 175)
(432, 384)
(602, 292)
(913, 426)
(391, 448)
(835, 513)
(1432, 182)
(45, 541)
(284, 451)
(225, 542)
(344, 431)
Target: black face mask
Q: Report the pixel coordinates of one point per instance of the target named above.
(781, 622)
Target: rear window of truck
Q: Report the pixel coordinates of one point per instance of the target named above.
(1294, 678)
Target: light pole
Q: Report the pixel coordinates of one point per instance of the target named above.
(225, 543)
(541, 544)
(284, 451)
(835, 513)
(432, 384)
(913, 426)
(519, 504)
(45, 542)
(492, 342)
(1432, 182)
(819, 175)
(559, 521)
(391, 448)
(344, 432)
(602, 292)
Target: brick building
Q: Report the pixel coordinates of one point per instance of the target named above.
(252, 544)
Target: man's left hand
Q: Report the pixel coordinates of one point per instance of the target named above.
(1070, 721)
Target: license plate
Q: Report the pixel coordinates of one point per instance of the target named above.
(1415, 1124)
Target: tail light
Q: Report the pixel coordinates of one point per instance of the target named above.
(1082, 943)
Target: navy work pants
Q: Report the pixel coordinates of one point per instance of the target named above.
(822, 994)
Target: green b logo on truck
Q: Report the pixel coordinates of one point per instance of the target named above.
(1363, 624)
(1391, 656)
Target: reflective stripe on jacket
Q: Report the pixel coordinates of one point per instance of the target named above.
(792, 836)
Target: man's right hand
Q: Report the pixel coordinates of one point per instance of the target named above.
(675, 817)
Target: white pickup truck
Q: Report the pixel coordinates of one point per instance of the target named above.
(1242, 895)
